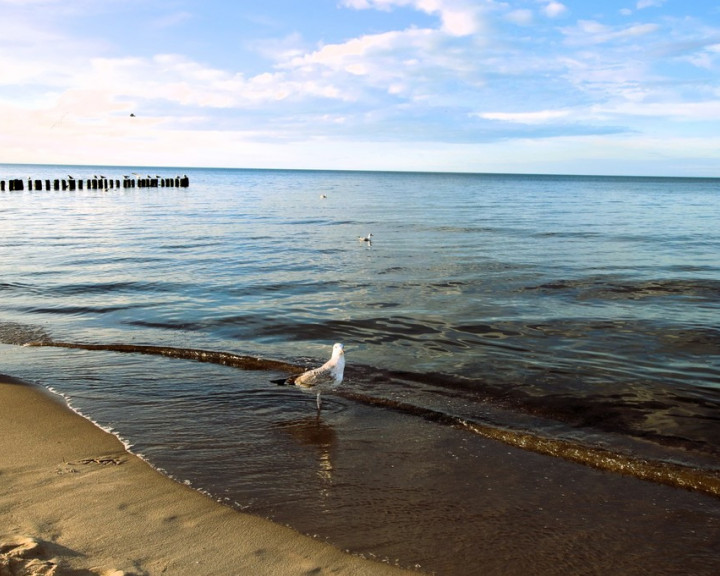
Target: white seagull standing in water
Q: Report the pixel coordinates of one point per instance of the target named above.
(326, 377)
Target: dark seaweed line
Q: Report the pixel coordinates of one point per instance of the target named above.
(210, 356)
(666, 473)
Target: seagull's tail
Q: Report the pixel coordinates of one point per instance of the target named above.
(282, 381)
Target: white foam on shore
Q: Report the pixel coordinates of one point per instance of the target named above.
(127, 445)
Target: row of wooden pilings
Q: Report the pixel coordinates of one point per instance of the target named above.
(96, 183)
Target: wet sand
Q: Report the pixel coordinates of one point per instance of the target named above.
(74, 501)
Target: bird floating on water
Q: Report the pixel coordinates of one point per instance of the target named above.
(326, 377)
(365, 238)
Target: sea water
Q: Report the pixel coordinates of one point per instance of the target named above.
(561, 314)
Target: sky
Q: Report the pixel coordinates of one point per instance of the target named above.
(625, 87)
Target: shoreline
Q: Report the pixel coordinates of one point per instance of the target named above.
(74, 499)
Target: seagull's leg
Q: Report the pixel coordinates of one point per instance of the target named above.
(319, 402)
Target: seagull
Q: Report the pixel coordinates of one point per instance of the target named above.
(365, 238)
(326, 377)
(323, 196)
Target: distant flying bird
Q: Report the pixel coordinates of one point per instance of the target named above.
(132, 115)
(327, 377)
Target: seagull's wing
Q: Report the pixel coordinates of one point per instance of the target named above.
(329, 374)
(311, 378)
(317, 377)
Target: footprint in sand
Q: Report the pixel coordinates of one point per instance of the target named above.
(21, 555)
(24, 556)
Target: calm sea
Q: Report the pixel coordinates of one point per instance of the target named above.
(573, 318)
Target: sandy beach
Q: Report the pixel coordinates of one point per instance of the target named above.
(74, 501)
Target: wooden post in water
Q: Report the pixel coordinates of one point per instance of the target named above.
(94, 183)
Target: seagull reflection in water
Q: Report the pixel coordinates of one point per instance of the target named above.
(314, 433)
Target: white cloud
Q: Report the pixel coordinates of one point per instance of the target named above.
(589, 32)
(458, 17)
(649, 4)
(554, 9)
(699, 111)
(410, 64)
(706, 58)
(521, 17)
(356, 50)
(177, 79)
(28, 2)
(539, 117)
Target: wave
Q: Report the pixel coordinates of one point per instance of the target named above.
(608, 288)
(659, 471)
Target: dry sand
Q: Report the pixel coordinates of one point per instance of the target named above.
(73, 501)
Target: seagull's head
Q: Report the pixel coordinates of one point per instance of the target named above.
(338, 350)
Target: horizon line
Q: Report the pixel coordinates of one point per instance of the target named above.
(366, 170)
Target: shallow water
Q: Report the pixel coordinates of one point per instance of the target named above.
(551, 311)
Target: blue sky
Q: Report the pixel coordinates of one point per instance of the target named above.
(526, 86)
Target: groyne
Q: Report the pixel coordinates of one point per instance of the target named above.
(94, 183)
